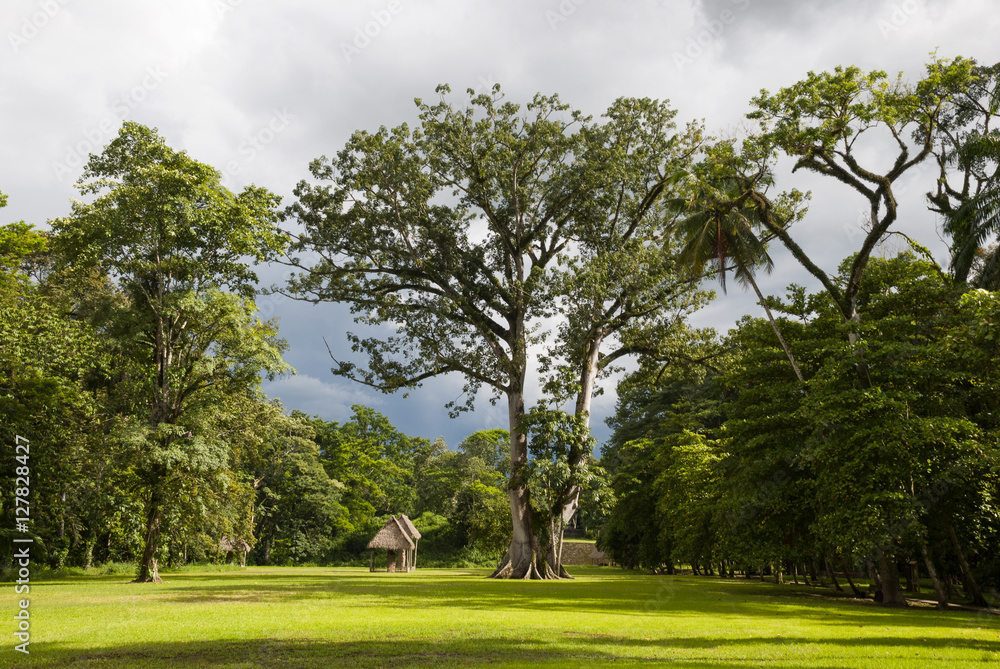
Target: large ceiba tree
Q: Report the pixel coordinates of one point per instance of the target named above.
(451, 232)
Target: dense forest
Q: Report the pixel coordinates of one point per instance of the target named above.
(853, 428)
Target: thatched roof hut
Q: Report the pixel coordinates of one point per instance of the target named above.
(408, 526)
(233, 546)
(399, 537)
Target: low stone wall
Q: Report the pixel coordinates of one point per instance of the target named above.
(577, 552)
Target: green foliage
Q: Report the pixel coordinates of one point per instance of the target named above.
(164, 217)
(392, 249)
(848, 469)
(170, 237)
(652, 483)
(490, 446)
(828, 122)
(374, 461)
(555, 439)
(482, 517)
(967, 192)
(297, 507)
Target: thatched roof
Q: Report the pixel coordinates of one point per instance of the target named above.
(233, 544)
(391, 537)
(597, 555)
(408, 526)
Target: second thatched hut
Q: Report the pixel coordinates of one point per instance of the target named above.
(399, 537)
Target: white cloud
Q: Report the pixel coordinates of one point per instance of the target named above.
(318, 397)
(230, 64)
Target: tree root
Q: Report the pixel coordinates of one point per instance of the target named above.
(526, 569)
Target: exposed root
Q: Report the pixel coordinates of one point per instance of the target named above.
(525, 569)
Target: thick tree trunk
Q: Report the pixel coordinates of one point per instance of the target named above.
(588, 379)
(891, 593)
(521, 558)
(971, 587)
(942, 600)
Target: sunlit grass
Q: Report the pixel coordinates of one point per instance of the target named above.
(322, 617)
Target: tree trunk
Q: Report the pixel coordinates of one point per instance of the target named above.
(813, 570)
(847, 575)
(520, 559)
(88, 551)
(148, 567)
(891, 593)
(971, 587)
(777, 333)
(912, 577)
(588, 379)
(833, 576)
(942, 600)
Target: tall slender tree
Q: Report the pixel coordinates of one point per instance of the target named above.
(171, 237)
(722, 228)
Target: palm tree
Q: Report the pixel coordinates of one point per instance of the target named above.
(971, 207)
(720, 227)
(976, 222)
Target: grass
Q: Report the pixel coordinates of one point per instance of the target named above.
(329, 617)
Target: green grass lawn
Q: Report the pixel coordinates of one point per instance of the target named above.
(325, 617)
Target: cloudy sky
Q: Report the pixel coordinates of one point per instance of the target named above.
(258, 88)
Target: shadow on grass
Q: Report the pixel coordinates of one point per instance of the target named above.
(571, 649)
(633, 595)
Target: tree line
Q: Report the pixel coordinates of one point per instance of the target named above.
(131, 360)
(489, 234)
